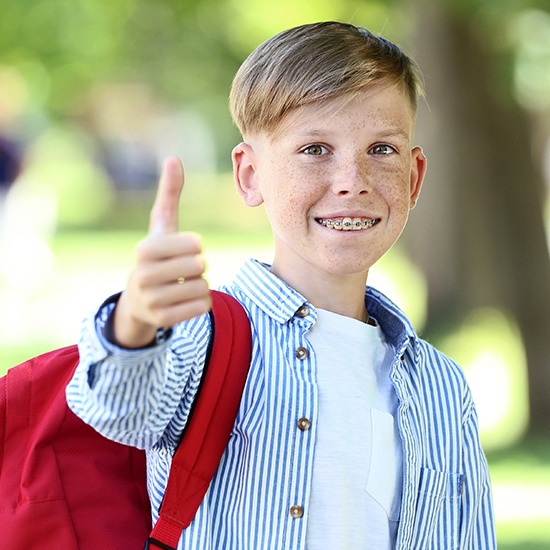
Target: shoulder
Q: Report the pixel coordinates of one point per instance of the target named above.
(437, 365)
(440, 384)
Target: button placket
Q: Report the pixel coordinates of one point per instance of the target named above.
(304, 319)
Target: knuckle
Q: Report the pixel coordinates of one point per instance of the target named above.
(145, 280)
(201, 263)
(193, 242)
(144, 249)
(203, 287)
(198, 265)
(196, 238)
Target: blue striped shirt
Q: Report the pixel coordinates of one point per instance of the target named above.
(258, 499)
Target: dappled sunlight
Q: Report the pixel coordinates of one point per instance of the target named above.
(489, 348)
(489, 370)
(40, 313)
(530, 30)
(27, 226)
(400, 279)
(521, 502)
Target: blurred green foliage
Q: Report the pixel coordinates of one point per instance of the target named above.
(58, 162)
(186, 52)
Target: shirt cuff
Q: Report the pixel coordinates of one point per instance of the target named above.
(95, 345)
(105, 331)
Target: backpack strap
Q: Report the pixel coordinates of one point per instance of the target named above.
(209, 427)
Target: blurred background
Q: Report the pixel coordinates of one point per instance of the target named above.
(95, 93)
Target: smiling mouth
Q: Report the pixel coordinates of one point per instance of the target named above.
(347, 224)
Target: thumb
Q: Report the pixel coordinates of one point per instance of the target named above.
(165, 212)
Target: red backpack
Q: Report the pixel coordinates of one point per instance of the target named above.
(64, 486)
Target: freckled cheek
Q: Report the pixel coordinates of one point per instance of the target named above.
(293, 187)
(284, 205)
(292, 191)
(398, 205)
(394, 187)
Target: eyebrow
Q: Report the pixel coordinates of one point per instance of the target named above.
(393, 132)
(315, 133)
(382, 134)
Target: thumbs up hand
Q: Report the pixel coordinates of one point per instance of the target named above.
(167, 284)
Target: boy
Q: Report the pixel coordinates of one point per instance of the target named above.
(352, 432)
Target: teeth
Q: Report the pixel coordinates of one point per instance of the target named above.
(348, 224)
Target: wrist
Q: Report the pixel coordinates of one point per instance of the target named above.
(126, 331)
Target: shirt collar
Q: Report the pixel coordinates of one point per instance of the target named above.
(272, 295)
(281, 302)
(395, 325)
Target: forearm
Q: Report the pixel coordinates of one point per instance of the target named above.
(131, 396)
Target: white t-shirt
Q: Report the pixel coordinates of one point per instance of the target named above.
(357, 468)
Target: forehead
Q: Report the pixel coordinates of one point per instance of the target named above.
(380, 108)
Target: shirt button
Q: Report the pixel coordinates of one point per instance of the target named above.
(302, 353)
(296, 512)
(304, 311)
(304, 424)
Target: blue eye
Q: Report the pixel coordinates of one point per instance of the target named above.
(382, 149)
(315, 150)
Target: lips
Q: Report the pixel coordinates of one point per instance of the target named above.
(348, 223)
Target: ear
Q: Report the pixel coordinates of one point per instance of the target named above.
(244, 174)
(419, 163)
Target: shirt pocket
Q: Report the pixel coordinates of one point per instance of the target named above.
(437, 518)
(386, 469)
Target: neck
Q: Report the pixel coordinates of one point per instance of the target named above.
(342, 294)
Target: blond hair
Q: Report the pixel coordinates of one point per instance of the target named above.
(311, 63)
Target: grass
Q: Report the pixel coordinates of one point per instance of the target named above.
(523, 536)
(521, 481)
(527, 462)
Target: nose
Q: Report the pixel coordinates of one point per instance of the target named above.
(353, 178)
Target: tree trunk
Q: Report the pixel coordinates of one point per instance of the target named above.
(478, 232)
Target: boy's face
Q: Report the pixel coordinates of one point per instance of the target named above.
(326, 167)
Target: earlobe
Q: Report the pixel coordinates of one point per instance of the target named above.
(244, 174)
(418, 171)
